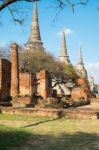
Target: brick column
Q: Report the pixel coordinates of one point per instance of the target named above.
(44, 84)
(14, 70)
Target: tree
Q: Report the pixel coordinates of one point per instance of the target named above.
(61, 4)
(34, 61)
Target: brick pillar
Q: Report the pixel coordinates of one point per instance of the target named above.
(44, 84)
(14, 70)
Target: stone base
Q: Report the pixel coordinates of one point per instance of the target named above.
(45, 103)
(5, 104)
(36, 45)
(53, 113)
(24, 101)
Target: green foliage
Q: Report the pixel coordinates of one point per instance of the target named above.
(70, 70)
(34, 61)
(79, 103)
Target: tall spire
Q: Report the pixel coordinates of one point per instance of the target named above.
(35, 37)
(63, 52)
(80, 59)
(80, 66)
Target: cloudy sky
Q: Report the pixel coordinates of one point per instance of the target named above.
(82, 28)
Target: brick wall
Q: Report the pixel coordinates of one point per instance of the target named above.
(27, 85)
(5, 79)
(68, 113)
(44, 84)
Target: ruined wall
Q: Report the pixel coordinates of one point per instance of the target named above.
(27, 84)
(44, 84)
(54, 113)
(5, 79)
(82, 90)
(81, 81)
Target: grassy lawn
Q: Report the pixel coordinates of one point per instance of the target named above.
(40, 133)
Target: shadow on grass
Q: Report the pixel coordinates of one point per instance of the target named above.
(40, 122)
(15, 139)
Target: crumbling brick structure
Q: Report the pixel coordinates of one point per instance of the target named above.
(14, 83)
(82, 90)
(27, 84)
(26, 87)
(5, 79)
(14, 70)
(44, 84)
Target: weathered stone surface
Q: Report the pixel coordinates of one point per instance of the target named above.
(40, 102)
(44, 84)
(63, 53)
(35, 42)
(14, 70)
(5, 79)
(27, 82)
(81, 71)
(82, 90)
(52, 100)
(79, 93)
(23, 101)
(81, 81)
(55, 113)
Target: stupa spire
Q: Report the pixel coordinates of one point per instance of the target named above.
(80, 66)
(63, 52)
(35, 37)
(80, 59)
(35, 31)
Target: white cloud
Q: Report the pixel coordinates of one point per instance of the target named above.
(93, 65)
(67, 31)
(93, 69)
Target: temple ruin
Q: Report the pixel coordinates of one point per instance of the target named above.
(25, 87)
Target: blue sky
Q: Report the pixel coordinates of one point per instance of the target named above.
(82, 25)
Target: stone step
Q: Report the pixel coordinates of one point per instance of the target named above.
(5, 104)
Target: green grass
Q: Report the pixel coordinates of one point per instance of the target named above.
(20, 117)
(40, 133)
